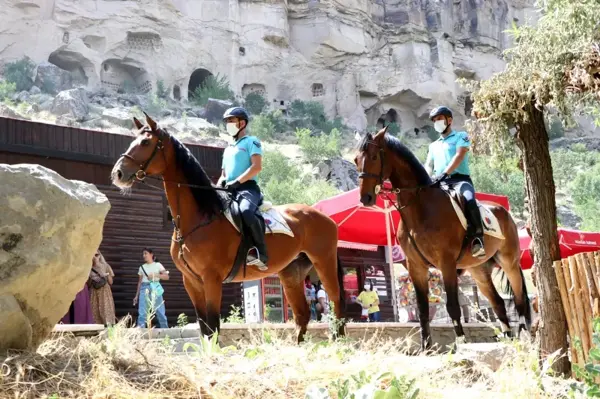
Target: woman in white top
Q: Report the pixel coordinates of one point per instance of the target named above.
(150, 274)
(322, 303)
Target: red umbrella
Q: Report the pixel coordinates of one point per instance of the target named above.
(571, 242)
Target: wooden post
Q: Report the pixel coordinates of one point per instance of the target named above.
(571, 295)
(562, 286)
(577, 294)
(590, 272)
(585, 296)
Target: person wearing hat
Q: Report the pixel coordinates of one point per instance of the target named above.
(448, 162)
(242, 162)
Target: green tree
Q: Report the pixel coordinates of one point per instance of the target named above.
(503, 178)
(255, 103)
(262, 126)
(7, 89)
(20, 73)
(586, 194)
(551, 63)
(216, 87)
(318, 147)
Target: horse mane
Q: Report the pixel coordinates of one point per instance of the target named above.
(402, 152)
(207, 198)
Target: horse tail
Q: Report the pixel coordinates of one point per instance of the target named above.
(506, 288)
(340, 275)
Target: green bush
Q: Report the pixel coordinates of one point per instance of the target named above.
(262, 127)
(393, 128)
(503, 179)
(316, 148)
(283, 182)
(161, 90)
(585, 192)
(431, 133)
(568, 163)
(555, 128)
(216, 87)
(20, 73)
(7, 89)
(255, 103)
(311, 114)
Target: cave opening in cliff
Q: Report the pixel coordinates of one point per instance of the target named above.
(197, 79)
(176, 92)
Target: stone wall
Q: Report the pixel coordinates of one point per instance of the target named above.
(358, 58)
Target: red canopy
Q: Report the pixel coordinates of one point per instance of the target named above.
(367, 225)
(571, 242)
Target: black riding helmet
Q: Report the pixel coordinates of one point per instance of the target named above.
(440, 111)
(237, 112)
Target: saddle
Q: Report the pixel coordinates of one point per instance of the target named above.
(271, 221)
(491, 226)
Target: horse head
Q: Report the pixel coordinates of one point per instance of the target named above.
(371, 165)
(145, 155)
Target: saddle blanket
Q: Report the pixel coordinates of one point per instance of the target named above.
(491, 226)
(274, 221)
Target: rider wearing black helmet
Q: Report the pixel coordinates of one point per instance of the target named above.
(242, 162)
(450, 159)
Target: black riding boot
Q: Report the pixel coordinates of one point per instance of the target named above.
(474, 217)
(258, 255)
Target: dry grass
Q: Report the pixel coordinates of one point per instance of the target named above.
(123, 365)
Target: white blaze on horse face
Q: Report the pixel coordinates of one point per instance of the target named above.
(357, 136)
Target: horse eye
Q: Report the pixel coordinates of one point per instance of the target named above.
(374, 158)
(145, 142)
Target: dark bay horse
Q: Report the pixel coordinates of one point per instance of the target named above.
(430, 232)
(205, 243)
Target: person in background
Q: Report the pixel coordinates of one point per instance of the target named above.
(322, 305)
(311, 297)
(80, 311)
(150, 273)
(369, 300)
(101, 298)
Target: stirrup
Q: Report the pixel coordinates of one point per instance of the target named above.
(251, 260)
(479, 253)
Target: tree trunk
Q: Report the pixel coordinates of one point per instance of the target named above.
(533, 140)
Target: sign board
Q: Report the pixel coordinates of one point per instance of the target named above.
(397, 254)
(252, 301)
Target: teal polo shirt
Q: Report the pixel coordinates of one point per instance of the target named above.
(443, 150)
(237, 157)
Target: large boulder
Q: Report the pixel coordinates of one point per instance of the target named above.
(71, 102)
(339, 172)
(50, 229)
(52, 79)
(118, 116)
(214, 110)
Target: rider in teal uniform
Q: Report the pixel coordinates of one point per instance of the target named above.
(450, 158)
(242, 161)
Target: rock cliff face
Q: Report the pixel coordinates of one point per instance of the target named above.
(363, 59)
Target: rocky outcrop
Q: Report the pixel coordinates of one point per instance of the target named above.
(50, 229)
(361, 59)
(72, 103)
(339, 172)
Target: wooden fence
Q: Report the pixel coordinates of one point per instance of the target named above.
(579, 283)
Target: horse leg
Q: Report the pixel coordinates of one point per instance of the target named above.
(331, 274)
(508, 259)
(450, 276)
(213, 293)
(419, 274)
(292, 279)
(483, 277)
(195, 290)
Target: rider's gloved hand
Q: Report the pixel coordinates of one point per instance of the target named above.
(222, 183)
(438, 179)
(233, 185)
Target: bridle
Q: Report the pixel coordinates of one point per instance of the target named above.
(379, 177)
(141, 173)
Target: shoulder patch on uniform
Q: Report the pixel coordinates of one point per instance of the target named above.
(257, 143)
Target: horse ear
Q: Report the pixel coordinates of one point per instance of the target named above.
(137, 123)
(381, 135)
(150, 122)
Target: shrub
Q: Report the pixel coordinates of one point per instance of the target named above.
(216, 87)
(20, 73)
(555, 128)
(283, 182)
(255, 103)
(161, 90)
(393, 128)
(262, 127)
(7, 89)
(311, 114)
(316, 148)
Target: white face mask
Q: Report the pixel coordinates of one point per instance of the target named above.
(232, 129)
(439, 126)
(367, 287)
